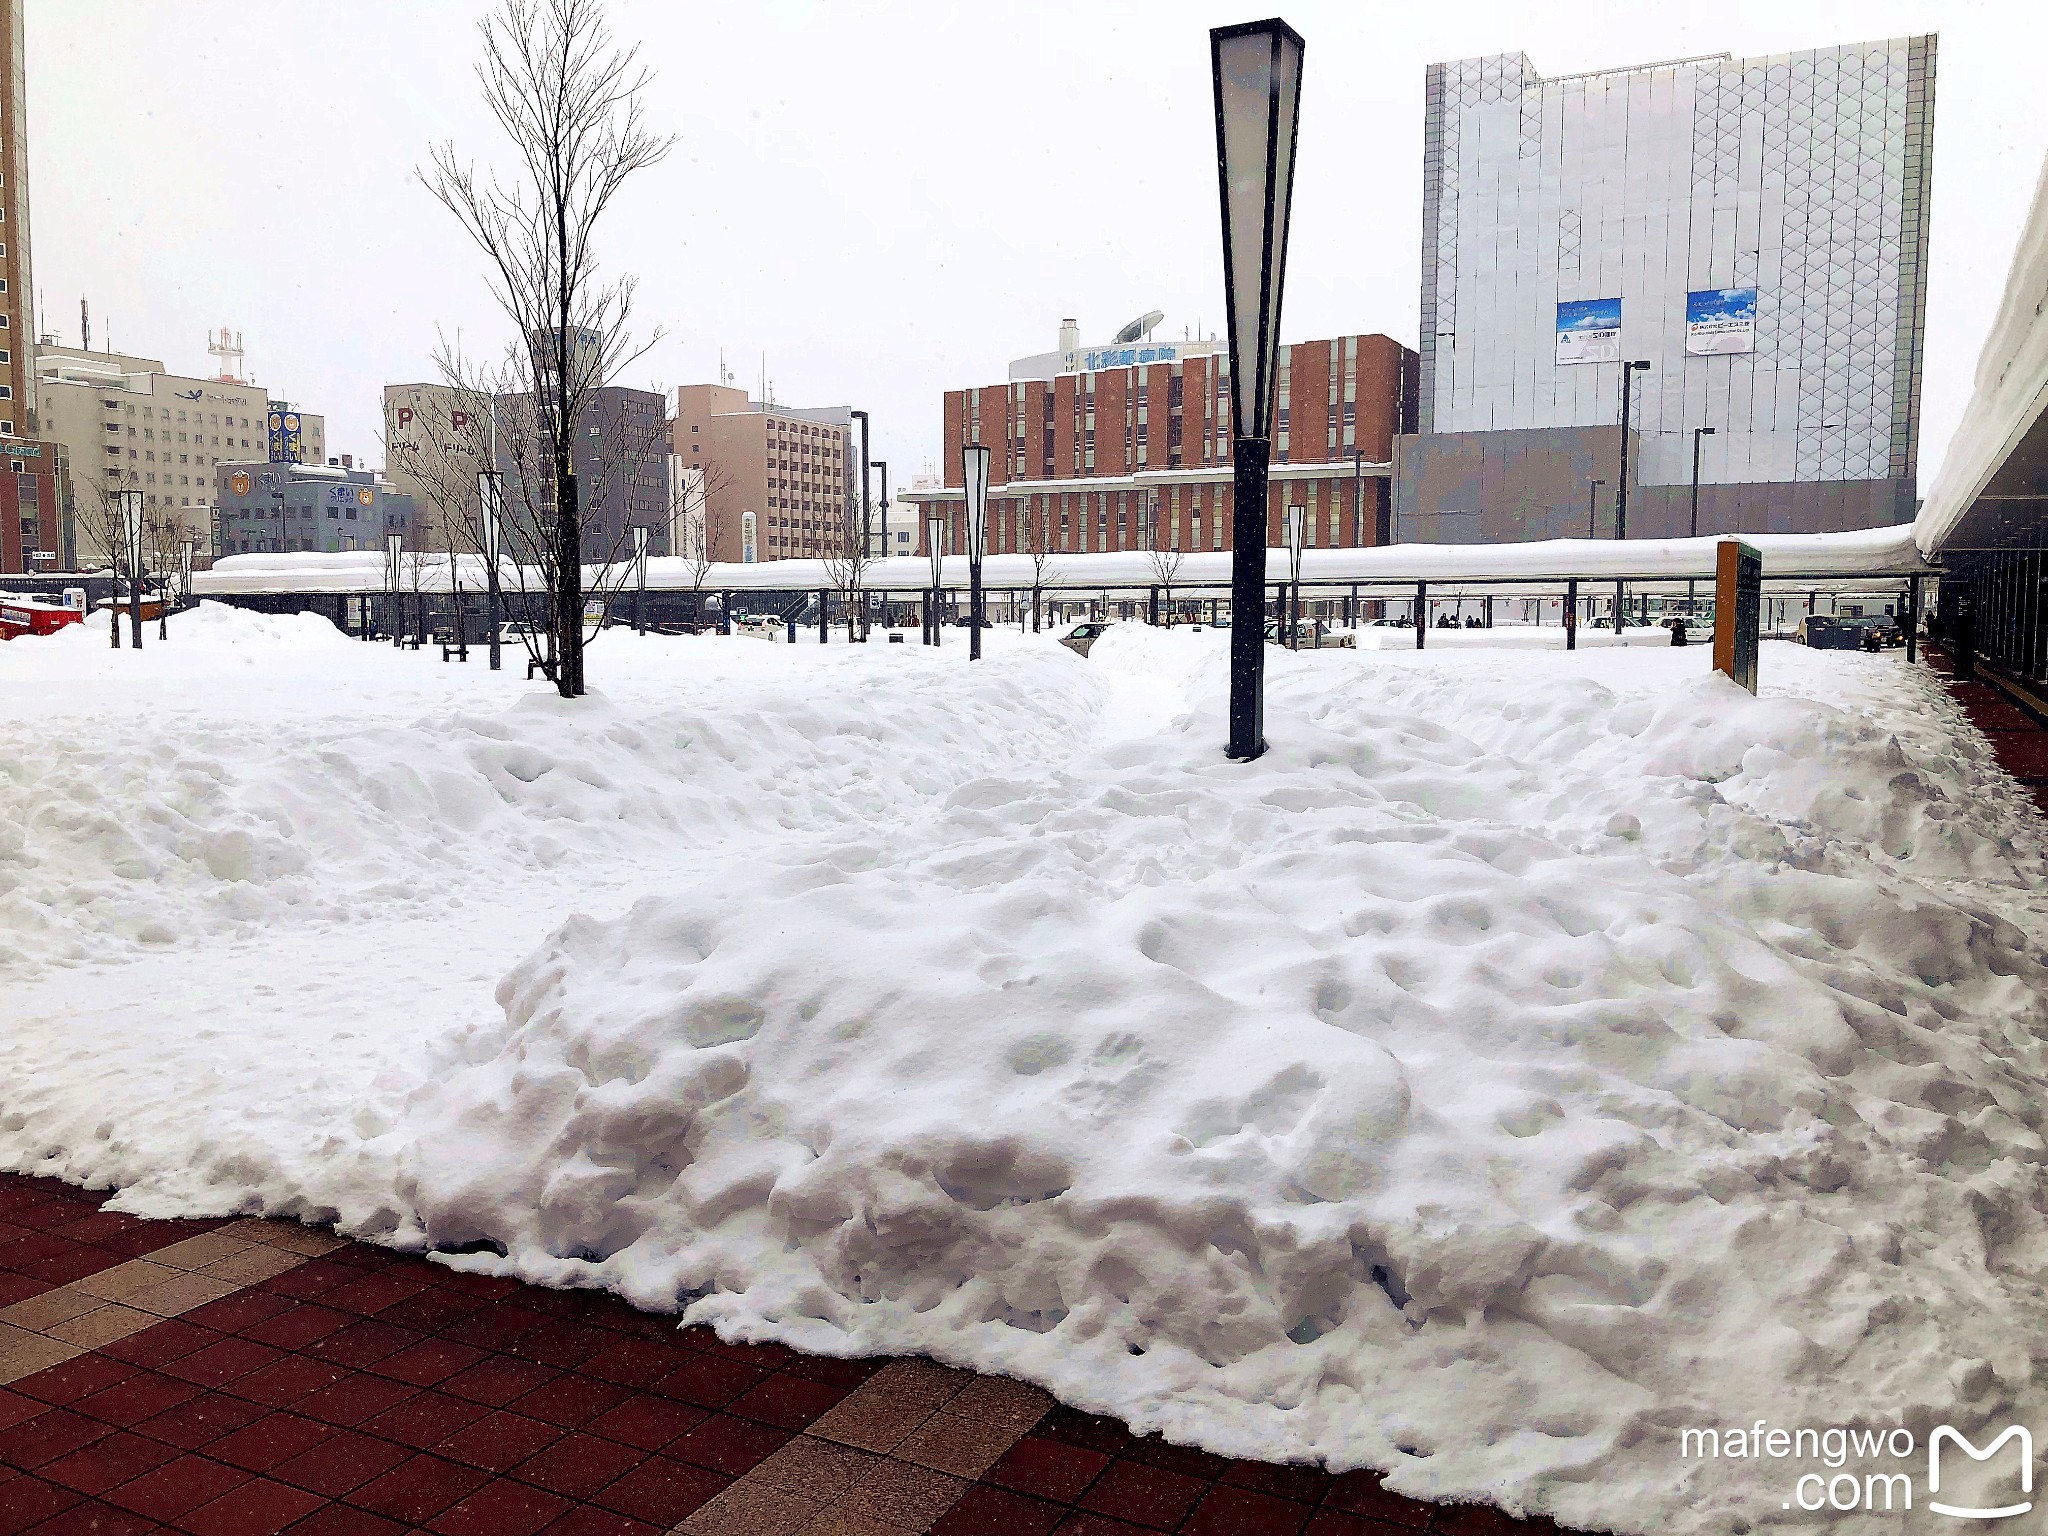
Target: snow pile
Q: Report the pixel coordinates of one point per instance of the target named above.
(1529, 1057)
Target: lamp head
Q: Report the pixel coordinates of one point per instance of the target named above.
(974, 475)
(1703, 431)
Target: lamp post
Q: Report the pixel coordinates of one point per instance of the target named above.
(1629, 370)
(1255, 68)
(974, 467)
(190, 548)
(1296, 516)
(639, 579)
(934, 532)
(882, 514)
(867, 532)
(489, 495)
(393, 544)
(1358, 498)
(1697, 434)
(131, 528)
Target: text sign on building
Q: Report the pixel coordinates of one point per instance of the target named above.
(284, 438)
(1588, 331)
(1720, 320)
(1094, 359)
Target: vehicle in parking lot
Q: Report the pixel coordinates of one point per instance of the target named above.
(1312, 635)
(967, 621)
(1083, 636)
(1826, 632)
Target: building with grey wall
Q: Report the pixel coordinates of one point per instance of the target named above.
(1756, 229)
(619, 454)
(265, 508)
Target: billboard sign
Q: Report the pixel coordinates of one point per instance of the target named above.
(1720, 320)
(1588, 331)
(283, 433)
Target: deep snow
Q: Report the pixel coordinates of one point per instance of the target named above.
(1532, 1055)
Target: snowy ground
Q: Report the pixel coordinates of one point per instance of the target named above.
(1532, 1056)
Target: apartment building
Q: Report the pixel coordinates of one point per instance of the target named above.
(775, 479)
(1110, 454)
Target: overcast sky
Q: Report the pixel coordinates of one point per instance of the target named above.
(887, 200)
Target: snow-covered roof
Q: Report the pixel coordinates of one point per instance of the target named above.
(1888, 553)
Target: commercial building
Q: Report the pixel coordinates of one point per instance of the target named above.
(619, 455)
(1754, 229)
(776, 479)
(17, 276)
(267, 508)
(1084, 461)
(432, 453)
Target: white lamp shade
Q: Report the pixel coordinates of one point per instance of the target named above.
(1257, 69)
(974, 470)
(935, 542)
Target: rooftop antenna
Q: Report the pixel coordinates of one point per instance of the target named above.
(84, 325)
(228, 348)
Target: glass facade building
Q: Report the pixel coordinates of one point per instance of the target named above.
(1755, 229)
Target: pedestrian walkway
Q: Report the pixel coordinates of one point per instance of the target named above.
(2013, 718)
(245, 1378)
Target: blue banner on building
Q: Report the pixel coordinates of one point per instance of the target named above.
(283, 434)
(1588, 331)
(1720, 320)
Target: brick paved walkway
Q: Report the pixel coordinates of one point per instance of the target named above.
(245, 1378)
(2012, 717)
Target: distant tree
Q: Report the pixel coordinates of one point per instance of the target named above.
(103, 535)
(1163, 552)
(1034, 538)
(571, 105)
(163, 536)
(847, 558)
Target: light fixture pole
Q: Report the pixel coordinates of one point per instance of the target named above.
(867, 532)
(639, 579)
(1593, 508)
(1697, 434)
(1358, 498)
(393, 543)
(1296, 516)
(1255, 68)
(490, 497)
(132, 528)
(974, 467)
(934, 532)
(882, 516)
(1629, 369)
(190, 548)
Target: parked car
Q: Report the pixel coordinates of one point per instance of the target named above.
(1312, 635)
(1391, 624)
(1825, 632)
(1082, 637)
(966, 621)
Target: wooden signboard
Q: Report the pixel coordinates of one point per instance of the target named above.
(1738, 610)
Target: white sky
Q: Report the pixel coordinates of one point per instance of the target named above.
(886, 200)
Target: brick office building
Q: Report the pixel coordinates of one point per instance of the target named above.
(775, 478)
(1083, 455)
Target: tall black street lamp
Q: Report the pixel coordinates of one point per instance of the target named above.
(1593, 508)
(639, 579)
(131, 519)
(1296, 516)
(882, 515)
(393, 544)
(1358, 498)
(1256, 71)
(974, 474)
(1697, 434)
(1629, 370)
(934, 539)
(491, 498)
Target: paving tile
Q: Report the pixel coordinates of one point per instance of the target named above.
(986, 1511)
(198, 1423)
(14, 1288)
(1480, 1520)
(902, 1495)
(729, 1445)
(1231, 1511)
(1360, 1493)
(294, 1326)
(647, 1423)
(168, 1341)
(257, 1508)
(661, 1491)
(425, 1419)
(92, 1518)
(818, 1466)
(998, 1400)
(284, 1382)
(14, 1408)
(262, 1443)
(47, 1436)
(103, 1325)
(49, 1308)
(501, 1508)
(141, 1396)
(337, 1463)
(354, 1399)
(1184, 1459)
(631, 1362)
(345, 1520)
(197, 1252)
(754, 1509)
(251, 1265)
(709, 1382)
(362, 1343)
(577, 1466)
(74, 1263)
(370, 1294)
(841, 1520)
(28, 1501)
(126, 1281)
(107, 1463)
(589, 1520)
(1049, 1469)
(788, 1401)
(964, 1447)
(497, 1381)
(23, 1353)
(220, 1363)
(239, 1312)
(180, 1294)
(1086, 1523)
(1131, 1490)
(499, 1441)
(1086, 1429)
(177, 1487)
(570, 1400)
(1305, 1485)
(426, 1362)
(419, 1488)
(74, 1379)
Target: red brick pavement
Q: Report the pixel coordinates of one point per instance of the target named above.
(2014, 719)
(251, 1378)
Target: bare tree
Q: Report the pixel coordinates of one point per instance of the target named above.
(702, 531)
(103, 532)
(1165, 555)
(847, 558)
(1034, 538)
(163, 536)
(570, 103)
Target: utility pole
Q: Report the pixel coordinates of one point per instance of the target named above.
(1629, 369)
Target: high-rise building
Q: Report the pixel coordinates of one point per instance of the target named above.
(17, 278)
(269, 506)
(1755, 230)
(619, 454)
(1085, 459)
(775, 478)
